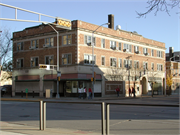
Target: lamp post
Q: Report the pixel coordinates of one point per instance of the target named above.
(93, 57)
(57, 94)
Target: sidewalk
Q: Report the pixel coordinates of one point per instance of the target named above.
(113, 97)
(17, 129)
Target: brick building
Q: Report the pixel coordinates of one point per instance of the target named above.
(173, 68)
(122, 58)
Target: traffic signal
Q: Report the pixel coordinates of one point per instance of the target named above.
(42, 66)
(94, 74)
(59, 78)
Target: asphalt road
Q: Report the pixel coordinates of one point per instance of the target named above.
(86, 117)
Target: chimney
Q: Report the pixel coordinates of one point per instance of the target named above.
(171, 53)
(111, 21)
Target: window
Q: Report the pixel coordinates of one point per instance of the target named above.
(159, 67)
(66, 59)
(120, 63)
(49, 41)
(127, 63)
(152, 52)
(34, 62)
(103, 61)
(87, 40)
(88, 59)
(145, 51)
(19, 46)
(49, 60)
(152, 66)
(103, 43)
(113, 62)
(145, 65)
(136, 49)
(19, 63)
(136, 64)
(34, 44)
(113, 45)
(67, 39)
(127, 47)
(159, 54)
(119, 48)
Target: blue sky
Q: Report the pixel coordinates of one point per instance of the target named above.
(162, 27)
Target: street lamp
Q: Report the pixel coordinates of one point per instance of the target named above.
(93, 56)
(57, 94)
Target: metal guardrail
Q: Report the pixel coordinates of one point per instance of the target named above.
(62, 102)
(108, 112)
(42, 110)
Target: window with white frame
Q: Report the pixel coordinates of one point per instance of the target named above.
(152, 66)
(103, 61)
(66, 59)
(159, 67)
(120, 63)
(113, 45)
(20, 46)
(145, 65)
(159, 54)
(87, 40)
(34, 61)
(67, 39)
(19, 63)
(128, 47)
(34, 44)
(119, 47)
(49, 60)
(136, 64)
(145, 50)
(113, 62)
(152, 52)
(49, 41)
(127, 63)
(136, 49)
(103, 43)
(88, 59)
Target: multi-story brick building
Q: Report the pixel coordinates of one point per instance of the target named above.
(173, 68)
(122, 58)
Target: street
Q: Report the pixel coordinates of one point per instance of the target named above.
(86, 118)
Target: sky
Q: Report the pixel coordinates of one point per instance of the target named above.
(162, 27)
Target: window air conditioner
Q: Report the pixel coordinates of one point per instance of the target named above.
(63, 56)
(89, 44)
(30, 48)
(125, 50)
(50, 57)
(45, 46)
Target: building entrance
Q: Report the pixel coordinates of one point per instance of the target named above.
(144, 86)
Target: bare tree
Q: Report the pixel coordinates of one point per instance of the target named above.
(115, 74)
(5, 54)
(5, 48)
(159, 5)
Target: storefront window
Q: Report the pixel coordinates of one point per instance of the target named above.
(68, 86)
(74, 86)
(71, 86)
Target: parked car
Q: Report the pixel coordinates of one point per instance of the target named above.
(3, 91)
(6, 89)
